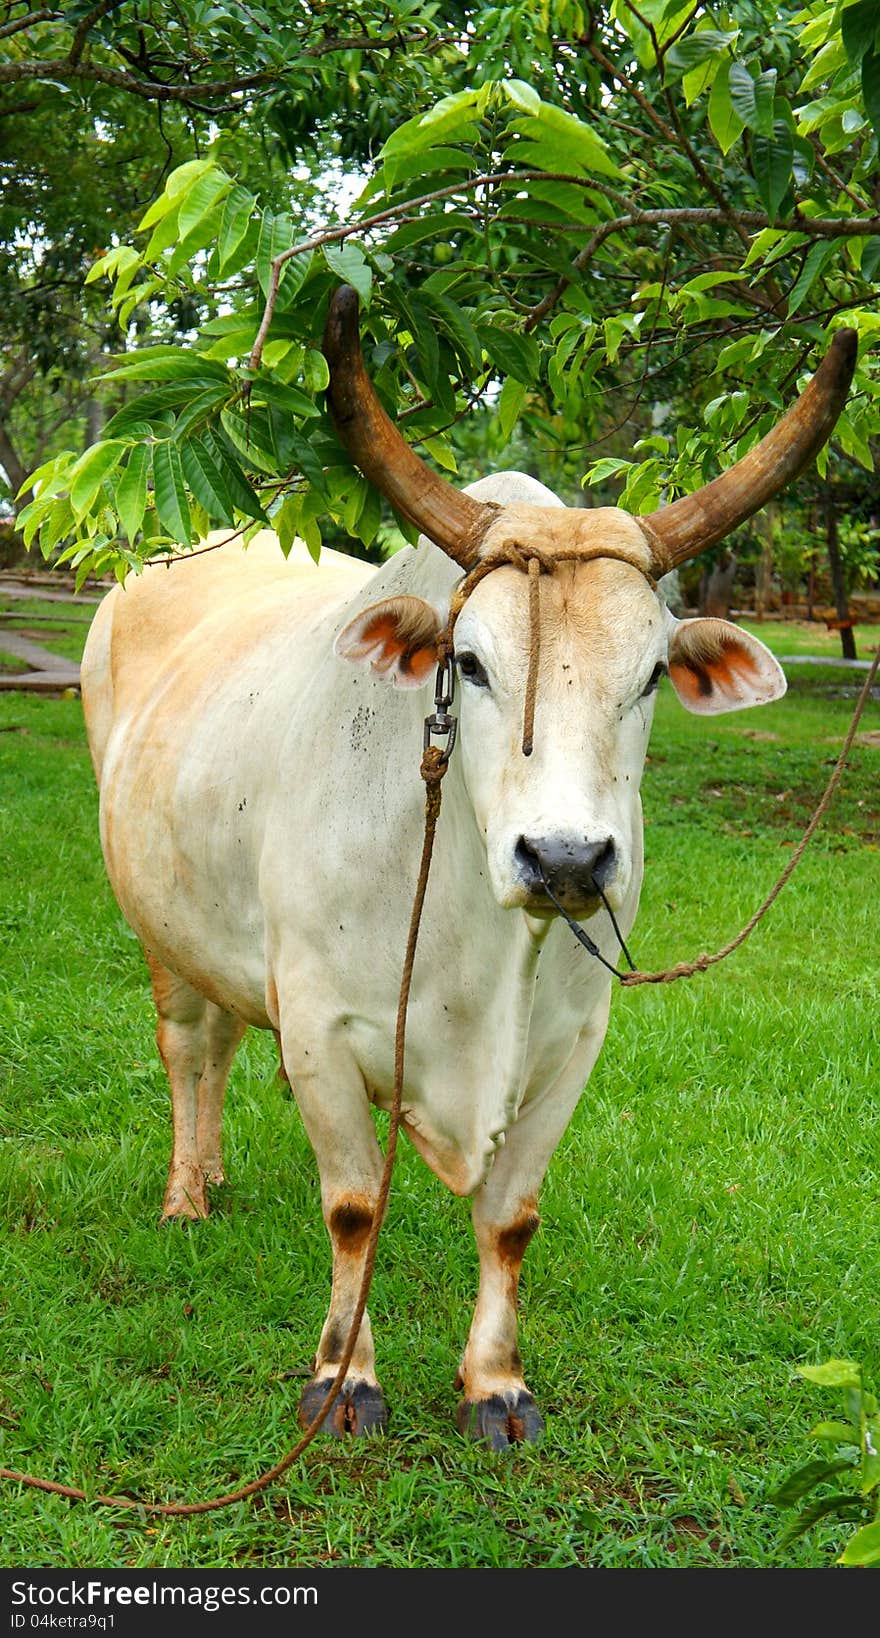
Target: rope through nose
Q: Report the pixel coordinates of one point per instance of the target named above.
(582, 937)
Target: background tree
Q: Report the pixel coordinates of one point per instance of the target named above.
(98, 103)
(622, 235)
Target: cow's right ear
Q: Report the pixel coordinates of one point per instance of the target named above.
(397, 637)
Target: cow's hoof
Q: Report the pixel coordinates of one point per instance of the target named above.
(359, 1408)
(501, 1421)
(184, 1208)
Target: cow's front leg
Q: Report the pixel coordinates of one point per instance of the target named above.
(339, 1124)
(497, 1405)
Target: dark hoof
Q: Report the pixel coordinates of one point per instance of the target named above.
(358, 1408)
(501, 1422)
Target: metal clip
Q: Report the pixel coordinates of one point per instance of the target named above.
(441, 722)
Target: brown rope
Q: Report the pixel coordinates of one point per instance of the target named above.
(532, 561)
(434, 765)
(528, 734)
(686, 969)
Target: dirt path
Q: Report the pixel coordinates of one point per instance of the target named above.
(49, 673)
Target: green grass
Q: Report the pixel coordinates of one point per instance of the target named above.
(710, 1220)
(811, 637)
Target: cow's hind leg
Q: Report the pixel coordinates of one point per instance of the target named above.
(350, 1165)
(197, 1042)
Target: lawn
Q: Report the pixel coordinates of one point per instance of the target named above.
(710, 1220)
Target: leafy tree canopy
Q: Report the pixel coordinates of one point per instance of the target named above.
(651, 214)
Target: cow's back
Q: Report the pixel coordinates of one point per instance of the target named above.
(220, 595)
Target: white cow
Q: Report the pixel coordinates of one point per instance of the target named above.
(262, 814)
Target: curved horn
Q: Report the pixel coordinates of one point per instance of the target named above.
(452, 520)
(690, 525)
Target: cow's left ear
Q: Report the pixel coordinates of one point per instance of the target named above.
(713, 667)
(397, 637)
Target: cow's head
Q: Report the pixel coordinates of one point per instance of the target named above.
(569, 813)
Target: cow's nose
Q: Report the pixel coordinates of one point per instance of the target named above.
(573, 868)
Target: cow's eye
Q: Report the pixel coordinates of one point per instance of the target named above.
(470, 667)
(651, 685)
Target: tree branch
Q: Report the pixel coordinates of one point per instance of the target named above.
(820, 227)
(85, 27)
(63, 69)
(45, 15)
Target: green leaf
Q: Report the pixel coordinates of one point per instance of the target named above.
(843, 1503)
(870, 1455)
(235, 483)
(201, 198)
(200, 409)
(689, 52)
(285, 522)
(753, 98)
(816, 259)
(153, 408)
(805, 1479)
(308, 463)
(835, 1373)
(864, 1548)
(277, 234)
(441, 452)
(90, 471)
(608, 467)
(523, 96)
(514, 353)
(164, 234)
(772, 159)
(450, 120)
(725, 122)
(180, 180)
(370, 517)
(131, 490)
(244, 253)
(237, 212)
(58, 523)
(316, 374)
(510, 402)
(251, 434)
(350, 265)
(871, 87)
(206, 481)
(199, 237)
(287, 398)
(167, 364)
(840, 1433)
(561, 142)
(169, 492)
(456, 324)
(859, 26)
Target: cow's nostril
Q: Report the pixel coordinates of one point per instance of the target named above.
(567, 864)
(605, 865)
(529, 863)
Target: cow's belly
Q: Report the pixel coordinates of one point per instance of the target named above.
(180, 858)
